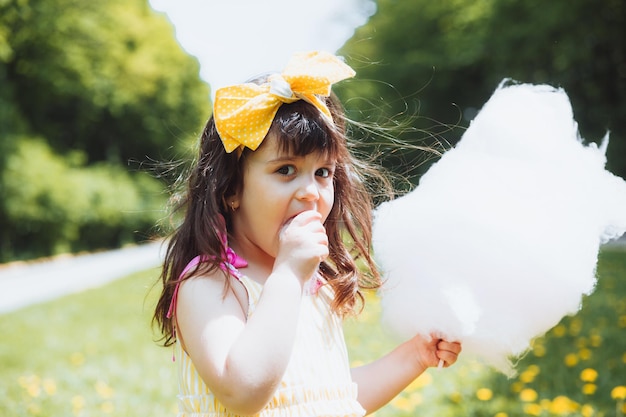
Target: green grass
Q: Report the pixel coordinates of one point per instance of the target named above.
(93, 354)
(88, 354)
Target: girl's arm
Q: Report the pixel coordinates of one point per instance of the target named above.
(242, 360)
(380, 381)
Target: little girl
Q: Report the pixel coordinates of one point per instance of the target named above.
(262, 269)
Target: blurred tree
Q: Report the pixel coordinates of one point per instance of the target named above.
(104, 77)
(56, 204)
(84, 88)
(415, 62)
(9, 117)
(442, 60)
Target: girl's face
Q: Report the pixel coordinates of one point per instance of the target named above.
(277, 186)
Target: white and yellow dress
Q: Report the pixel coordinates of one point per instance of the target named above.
(317, 381)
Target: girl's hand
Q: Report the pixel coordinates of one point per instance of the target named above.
(303, 244)
(380, 381)
(429, 351)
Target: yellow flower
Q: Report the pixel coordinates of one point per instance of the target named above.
(104, 390)
(596, 340)
(456, 397)
(589, 389)
(587, 411)
(77, 359)
(571, 359)
(416, 398)
(49, 386)
(619, 393)
(588, 375)
(532, 409)
(545, 403)
(484, 394)
(528, 395)
(407, 402)
(539, 351)
(33, 390)
(538, 348)
(529, 374)
(501, 414)
(585, 354)
(575, 326)
(526, 377)
(402, 403)
(559, 331)
(563, 405)
(30, 383)
(78, 402)
(534, 369)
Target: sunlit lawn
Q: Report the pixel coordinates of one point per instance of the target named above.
(92, 354)
(89, 354)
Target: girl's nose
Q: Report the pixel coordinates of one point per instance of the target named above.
(308, 190)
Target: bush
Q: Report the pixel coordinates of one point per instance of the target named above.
(51, 204)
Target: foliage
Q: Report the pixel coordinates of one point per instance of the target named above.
(106, 78)
(86, 87)
(55, 204)
(442, 61)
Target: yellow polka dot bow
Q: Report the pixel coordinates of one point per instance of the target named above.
(243, 113)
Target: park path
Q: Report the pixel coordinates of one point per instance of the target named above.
(26, 283)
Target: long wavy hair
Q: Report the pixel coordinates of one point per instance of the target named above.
(216, 175)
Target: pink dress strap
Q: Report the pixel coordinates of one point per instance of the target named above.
(230, 265)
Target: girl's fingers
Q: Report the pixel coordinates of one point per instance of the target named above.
(303, 243)
(448, 352)
(454, 347)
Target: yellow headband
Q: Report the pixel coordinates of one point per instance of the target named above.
(243, 113)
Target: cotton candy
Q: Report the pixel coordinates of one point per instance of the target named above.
(500, 239)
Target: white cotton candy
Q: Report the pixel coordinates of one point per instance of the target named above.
(500, 239)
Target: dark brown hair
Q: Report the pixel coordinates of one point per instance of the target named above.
(302, 129)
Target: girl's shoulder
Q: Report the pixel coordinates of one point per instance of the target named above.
(209, 311)
(210, 295)
(204, 281)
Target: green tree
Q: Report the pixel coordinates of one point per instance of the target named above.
(86, 87)
(107, 78)
(442, 60)
(578, 45)
(414, 60)
(56, 204)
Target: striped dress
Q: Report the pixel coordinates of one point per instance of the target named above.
(317, 382)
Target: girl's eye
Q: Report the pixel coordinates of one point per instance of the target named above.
(323, 172)
(287, 170)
